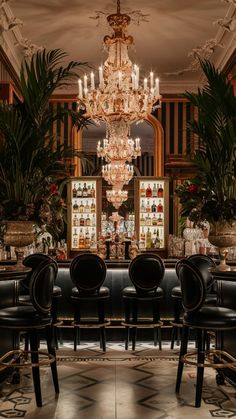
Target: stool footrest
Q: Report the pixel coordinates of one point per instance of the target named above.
(215, 359)
(19, 358)
(91, 323)
(142, 324)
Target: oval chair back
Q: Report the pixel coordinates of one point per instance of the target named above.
(192, 286)
(88, 272)
(32, 261)
(204, 263)
(41, 286)
(146, 272)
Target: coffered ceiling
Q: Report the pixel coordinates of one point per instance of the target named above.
(169, 36)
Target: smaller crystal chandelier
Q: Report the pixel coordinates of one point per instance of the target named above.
(119, 149)
(117, 197)
(117, 173)
(118, 146)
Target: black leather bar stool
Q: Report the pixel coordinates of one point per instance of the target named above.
(146, 272)
(88, 272)
(202, 318)
(203, 263)
(33, 318)
(33, 261)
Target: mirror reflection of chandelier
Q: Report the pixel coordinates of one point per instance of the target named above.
(117, 173)
(119, 100)
(117, 197)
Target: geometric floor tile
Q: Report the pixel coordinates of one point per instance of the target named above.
(117, 385)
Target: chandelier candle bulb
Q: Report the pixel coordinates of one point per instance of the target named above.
(133, 80)
(151, 79)
(157, 87)
(145, 84)
(80, 89)
(101, 81)
(92, 81)
(85, 84)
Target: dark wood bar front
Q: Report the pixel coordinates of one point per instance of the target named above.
(117, 278)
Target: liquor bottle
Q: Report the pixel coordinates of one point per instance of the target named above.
(81, 239)
(148, 239)
(148, 207)
(87, 239)
(149, 191)
(92, 191)
(154, 238)
(79, 191)
(74, 191)
(75, 221)
(93, 222)
(75, 207)
(92, 207)
(85, 191)
(160, 191)
(81, 207)
(75, 239)
(82, 221)
(154, 191)
(160, 220)
(89, 191)
(87, 207)
(160, 207)
(157, 242)
(88, 221)
(154, 220)
(148, 220)
(142, 191)
(142, 208)
(142, 238)
(142, 220)
(93, 239)
(154, 207)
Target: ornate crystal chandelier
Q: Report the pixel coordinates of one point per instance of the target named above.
(122, 148)
(119, 100)
(117, 197)
(117, 173)
(119, 96)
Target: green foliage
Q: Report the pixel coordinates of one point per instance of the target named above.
(29, 162)
(215, 158)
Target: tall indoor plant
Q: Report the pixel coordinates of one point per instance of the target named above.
(211, 194)
(31, 167)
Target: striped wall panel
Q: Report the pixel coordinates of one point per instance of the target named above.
(174, 116)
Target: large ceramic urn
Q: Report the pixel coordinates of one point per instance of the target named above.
(223, 235)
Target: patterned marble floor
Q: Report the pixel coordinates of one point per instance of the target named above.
(117, 385)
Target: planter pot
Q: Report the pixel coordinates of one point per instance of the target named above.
(223, 235)
(19, 234)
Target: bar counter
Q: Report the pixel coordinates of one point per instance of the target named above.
(117, 278)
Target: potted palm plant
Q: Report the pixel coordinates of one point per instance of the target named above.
(31, 167)
(211, 195)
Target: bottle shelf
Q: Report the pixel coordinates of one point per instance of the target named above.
(152, 202)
